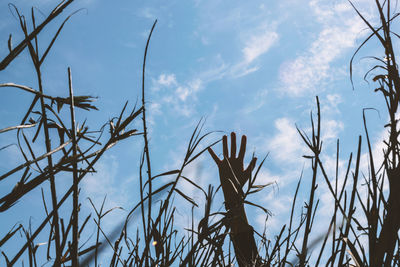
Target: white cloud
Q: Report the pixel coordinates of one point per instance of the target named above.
(155, 107)
(377, 152)
(286, 145)
(329, 162)
(103, 183)
(266, 177)
(254, 46)
(249, 29)
(240, 69)
(197, 174)
(280, 208)
(308, 71)
(258, 45)
(148, 13)
(330, 104)
(184, 94)
(257, 102)
(312, 69)
(331, 129)
(181, 97)
(166, 79)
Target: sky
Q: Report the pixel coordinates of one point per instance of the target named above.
(252, 67)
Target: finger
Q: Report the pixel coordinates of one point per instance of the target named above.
(225, 146)
(214, 156)
(233, 145)
(242, 148)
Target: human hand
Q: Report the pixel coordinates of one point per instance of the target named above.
(231, 170)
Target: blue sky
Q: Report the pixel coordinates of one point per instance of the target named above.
(253, 67)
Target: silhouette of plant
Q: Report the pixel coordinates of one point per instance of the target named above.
(218, 238)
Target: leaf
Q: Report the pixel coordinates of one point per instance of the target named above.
(10, 43)
(258, 188)
(353, 252)
(379, 77)
(59, 106)
(258, 206)
(186, 197)
(9, 235)
(166, 173)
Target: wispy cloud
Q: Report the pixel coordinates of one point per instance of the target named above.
(178, 96)
(286, 145)
(103, 182)
(249, 28)
(258, 45)
(308, 71)
(148, 13)
(331, 128)
(254, 47)
(312, 69)
(258, 101)
(167, 79)
(331, 103)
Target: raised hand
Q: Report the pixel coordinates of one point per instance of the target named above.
(233, 176)
(231, 170)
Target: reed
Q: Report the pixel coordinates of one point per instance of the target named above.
(218, 238)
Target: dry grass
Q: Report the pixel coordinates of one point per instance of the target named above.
(74, 151)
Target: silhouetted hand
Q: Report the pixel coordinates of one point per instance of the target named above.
(231, 170)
